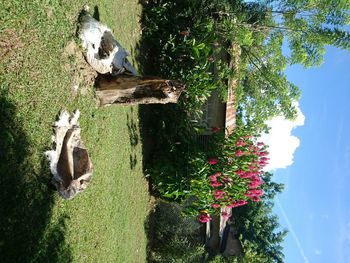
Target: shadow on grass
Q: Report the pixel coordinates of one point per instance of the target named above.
(133, 136)
(26, 201)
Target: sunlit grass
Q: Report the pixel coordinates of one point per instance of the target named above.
(104, 223)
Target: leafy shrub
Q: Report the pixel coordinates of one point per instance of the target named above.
(174, 238)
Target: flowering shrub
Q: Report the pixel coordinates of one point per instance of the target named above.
(230, 179)
(190, 47)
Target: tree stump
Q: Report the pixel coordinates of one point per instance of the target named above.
(125, 89)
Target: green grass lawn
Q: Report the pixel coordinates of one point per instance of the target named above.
(37, 72)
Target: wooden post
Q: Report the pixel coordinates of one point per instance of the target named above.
(125, 89)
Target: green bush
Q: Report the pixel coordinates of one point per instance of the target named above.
(173, 237)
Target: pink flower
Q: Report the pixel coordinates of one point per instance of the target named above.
(260, 144)
(212, 178)
(219, 192)
(204, 218)
(215, 184)
(255, 177)
(255, 199)
(215, 129)
(215, 206)
(247, 175)
(240, 172)
(255, 183)
(264, 153)
(240, 143)
(237, 203)
(252, 167)
(212, 160)
(264, 159)
(262, 164)
(217, 197)
(239, 153)
(254, 193)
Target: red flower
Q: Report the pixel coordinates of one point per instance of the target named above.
(215, 129)
(212, 160)
(204, 218)
(260, 144)
(215, 206)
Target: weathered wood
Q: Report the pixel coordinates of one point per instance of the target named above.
(125, 89)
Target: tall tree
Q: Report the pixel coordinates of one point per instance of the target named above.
(264, 30)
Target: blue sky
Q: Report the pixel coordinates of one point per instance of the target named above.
(315, 205)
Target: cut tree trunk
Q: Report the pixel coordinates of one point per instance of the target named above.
(125, 89)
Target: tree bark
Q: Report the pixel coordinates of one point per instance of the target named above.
(125, 89)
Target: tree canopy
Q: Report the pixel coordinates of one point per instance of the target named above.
(273, 35)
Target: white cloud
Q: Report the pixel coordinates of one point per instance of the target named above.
(282, 144)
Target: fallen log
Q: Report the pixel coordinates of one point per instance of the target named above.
(128, 89)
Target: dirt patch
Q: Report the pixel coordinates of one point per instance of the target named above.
(83, 74)
(10, 44)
